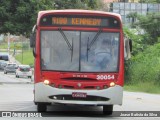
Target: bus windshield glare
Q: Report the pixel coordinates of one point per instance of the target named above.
(88, 55)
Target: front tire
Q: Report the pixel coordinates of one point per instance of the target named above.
(107, 109)
(41, 107)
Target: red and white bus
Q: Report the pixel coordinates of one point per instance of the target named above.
(79, 58)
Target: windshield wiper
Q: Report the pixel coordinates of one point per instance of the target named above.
(67, 41)
(93, 41)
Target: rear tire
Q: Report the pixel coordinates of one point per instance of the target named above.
(41, 107)
(107, 109)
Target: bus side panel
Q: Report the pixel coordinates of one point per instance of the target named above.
(121, 62)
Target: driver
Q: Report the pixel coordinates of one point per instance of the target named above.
(103, 55)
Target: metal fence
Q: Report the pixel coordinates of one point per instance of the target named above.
(140, 8)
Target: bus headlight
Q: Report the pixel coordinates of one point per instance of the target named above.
(112, 84)
(46, 82)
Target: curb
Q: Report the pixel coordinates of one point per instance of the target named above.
(1, 83)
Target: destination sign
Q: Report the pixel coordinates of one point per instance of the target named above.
(76, 21)
(79, 21)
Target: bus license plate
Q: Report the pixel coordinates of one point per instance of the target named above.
(79, 95)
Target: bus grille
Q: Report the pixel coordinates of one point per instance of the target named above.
(69, 97)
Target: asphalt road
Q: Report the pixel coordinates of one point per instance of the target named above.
(17, 95)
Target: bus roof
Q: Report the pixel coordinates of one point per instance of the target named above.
(41, 13)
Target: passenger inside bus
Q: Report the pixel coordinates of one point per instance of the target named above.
(103, 55)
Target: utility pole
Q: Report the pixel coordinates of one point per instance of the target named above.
(8, 43)
(22, 48)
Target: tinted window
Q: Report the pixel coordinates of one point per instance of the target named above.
(24, 69)
(11, 65)
(4, 57)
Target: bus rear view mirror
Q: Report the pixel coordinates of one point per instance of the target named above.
(32, 40)
(127, 48)
(33, 37)
(34, 53)
(32, 43)
(130, 45)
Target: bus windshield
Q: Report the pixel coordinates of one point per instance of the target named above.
(88, 56)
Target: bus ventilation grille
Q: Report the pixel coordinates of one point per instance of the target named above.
(87, 98)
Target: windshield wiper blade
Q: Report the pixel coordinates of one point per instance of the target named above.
(93, 41)
(72, 50)
(67, 41)
(65, 38)
(87, 47)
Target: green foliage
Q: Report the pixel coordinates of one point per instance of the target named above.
(133, 16)
(76, 4)
(144, 67)
(19, 16)
(150, 24)
(149, 1)
(17, 46)
(27, 58)
(148, 87)
(138, 41)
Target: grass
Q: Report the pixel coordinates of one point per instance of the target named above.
(147, 87)
(12, 45)
(27, 58)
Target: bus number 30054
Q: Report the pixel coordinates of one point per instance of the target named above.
(105, 77)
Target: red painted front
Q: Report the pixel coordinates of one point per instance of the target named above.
(69, 79)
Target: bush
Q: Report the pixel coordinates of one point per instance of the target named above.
(144, 67)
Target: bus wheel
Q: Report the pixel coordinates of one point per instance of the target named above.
(41, 107)
(108, 109)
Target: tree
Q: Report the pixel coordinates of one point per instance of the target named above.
(150, 23)
(149, 1)
(133, 16)
(76, 4)
(19, 16)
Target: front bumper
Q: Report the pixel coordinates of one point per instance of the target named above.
(24, 73)
(112, 95)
